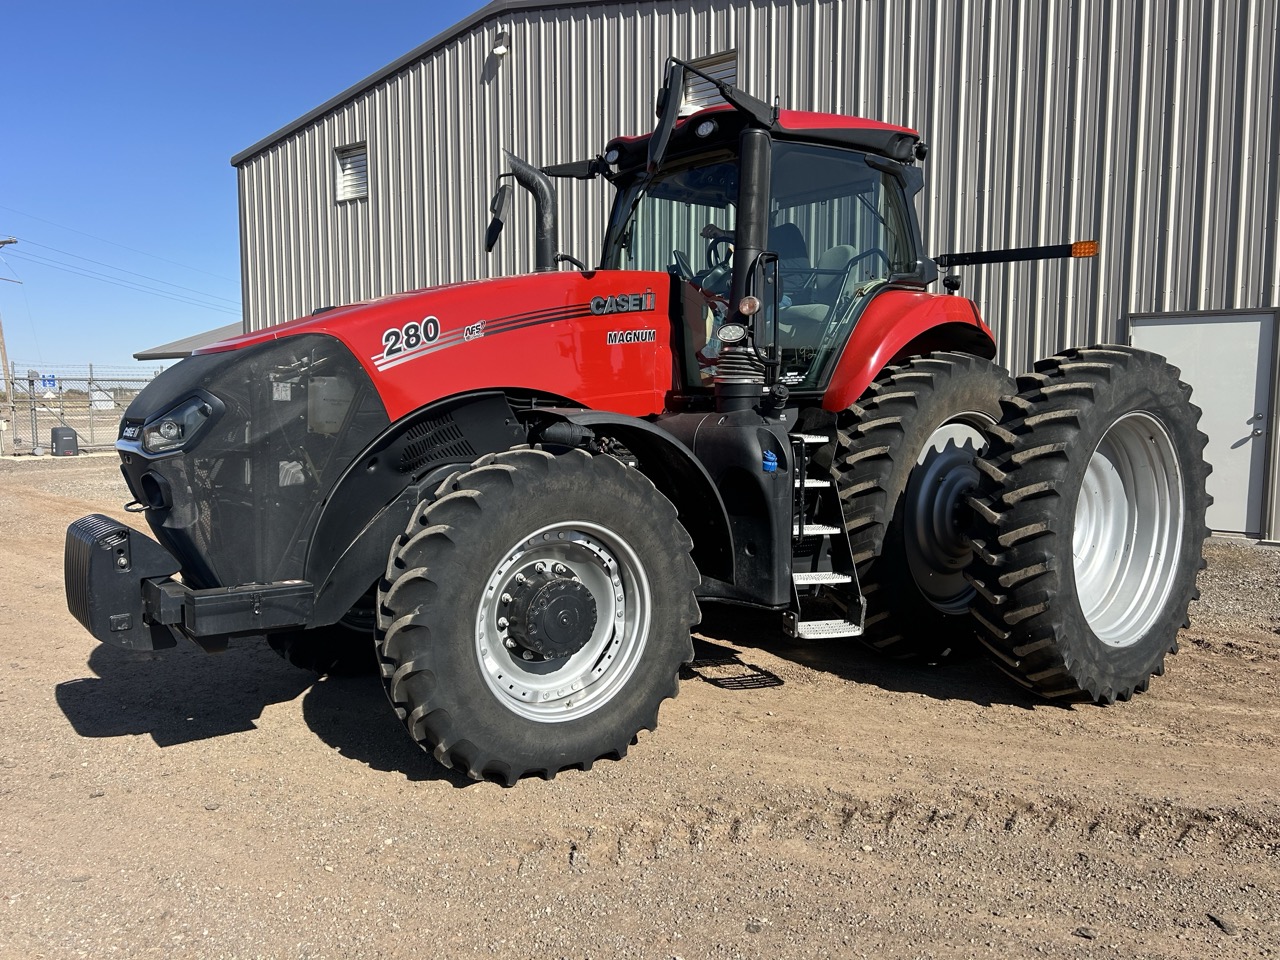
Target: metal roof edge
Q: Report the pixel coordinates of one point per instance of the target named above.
(489, 10)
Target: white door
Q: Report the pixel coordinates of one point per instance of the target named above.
(1228, 361)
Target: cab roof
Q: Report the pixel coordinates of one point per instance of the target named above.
(874, 136)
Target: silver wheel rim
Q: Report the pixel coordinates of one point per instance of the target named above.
(937, 548)
(1128, 529)
(581, 683)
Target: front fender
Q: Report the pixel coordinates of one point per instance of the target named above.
(374, 499)
(901, 323)
(678, 475)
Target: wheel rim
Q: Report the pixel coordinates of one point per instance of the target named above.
(937, 548)
(1128, 529)
(566, 688)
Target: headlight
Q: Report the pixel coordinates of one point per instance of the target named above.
(177, 427)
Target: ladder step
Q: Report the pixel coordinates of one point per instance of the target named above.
(813, 579)
(818, 629)
(814, 438)
(814, 530)
(811, 484)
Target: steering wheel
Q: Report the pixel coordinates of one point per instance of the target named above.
(684, 269)
(715, 255)
(717, 279)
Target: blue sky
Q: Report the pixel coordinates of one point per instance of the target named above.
(117, 123)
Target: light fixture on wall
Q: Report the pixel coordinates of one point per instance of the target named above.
(501, 43)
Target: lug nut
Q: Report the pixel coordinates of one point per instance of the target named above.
(505, 598)
(509, 643)
(528, 654)
(502, 623)
(540, 567)
(520, 578)
(560, 569)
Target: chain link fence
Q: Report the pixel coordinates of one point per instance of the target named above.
(41, 405)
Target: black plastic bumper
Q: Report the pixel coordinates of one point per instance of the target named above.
(119, 586)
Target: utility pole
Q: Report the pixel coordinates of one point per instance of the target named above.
(4, 360)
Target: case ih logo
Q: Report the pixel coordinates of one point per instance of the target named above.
(631, 336)
(623, 303)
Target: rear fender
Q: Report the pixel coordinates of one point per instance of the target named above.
(902, 323)
(675, 471)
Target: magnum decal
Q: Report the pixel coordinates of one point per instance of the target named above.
(616, 337)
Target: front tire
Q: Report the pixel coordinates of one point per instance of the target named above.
(536, 614)
(1091, 524)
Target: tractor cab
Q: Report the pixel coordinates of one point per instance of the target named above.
(838, 226)
(777, 228)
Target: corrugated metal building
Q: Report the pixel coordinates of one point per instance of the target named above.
(1153, 126)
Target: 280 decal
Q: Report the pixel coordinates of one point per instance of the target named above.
(410, 341)
(411, 336)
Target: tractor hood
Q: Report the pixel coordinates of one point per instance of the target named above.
(264, 425)
(599, 338)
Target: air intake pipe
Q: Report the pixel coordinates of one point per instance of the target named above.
(544, 199)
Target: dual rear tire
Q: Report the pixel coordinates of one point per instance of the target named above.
(1065, 512)
(1090, 524)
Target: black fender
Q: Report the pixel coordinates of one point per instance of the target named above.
(670, 466)
(373, 501)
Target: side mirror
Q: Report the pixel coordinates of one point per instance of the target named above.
(500, 207)
(669, 104)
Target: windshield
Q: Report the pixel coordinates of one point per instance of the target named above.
(839, 226)
(665, 227)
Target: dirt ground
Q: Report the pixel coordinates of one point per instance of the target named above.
(186, 805)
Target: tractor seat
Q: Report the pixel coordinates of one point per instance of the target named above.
(828, 284)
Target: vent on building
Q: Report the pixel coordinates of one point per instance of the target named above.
(353, 171)
(699, 93)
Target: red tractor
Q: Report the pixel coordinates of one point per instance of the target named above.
(518, 491)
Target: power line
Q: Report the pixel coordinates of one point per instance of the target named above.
(126, 284)
(115, 244)
(132, 273)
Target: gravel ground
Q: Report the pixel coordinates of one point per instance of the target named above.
(185, 805)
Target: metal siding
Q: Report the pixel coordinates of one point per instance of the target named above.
(1152, 126)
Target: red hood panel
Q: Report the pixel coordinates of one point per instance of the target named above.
(600, 338)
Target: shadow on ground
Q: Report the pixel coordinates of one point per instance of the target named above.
(184, 695)
(968, 676)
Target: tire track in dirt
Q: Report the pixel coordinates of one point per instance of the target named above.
(839, 819)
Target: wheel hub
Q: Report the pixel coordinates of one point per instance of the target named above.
(546, 687)
(937, 547)
(552, 614)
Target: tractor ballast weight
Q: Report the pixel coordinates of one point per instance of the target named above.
(512, 495)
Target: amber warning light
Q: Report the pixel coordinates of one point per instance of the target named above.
(1056, 251)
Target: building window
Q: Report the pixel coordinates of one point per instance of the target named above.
(353, 171)
(699, 93)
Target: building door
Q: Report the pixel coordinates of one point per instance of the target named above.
(1229, 360)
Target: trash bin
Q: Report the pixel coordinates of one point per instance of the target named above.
(64, 442)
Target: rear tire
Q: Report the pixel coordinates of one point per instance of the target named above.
(904, 469)
(1090, 524)
(536, 614)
